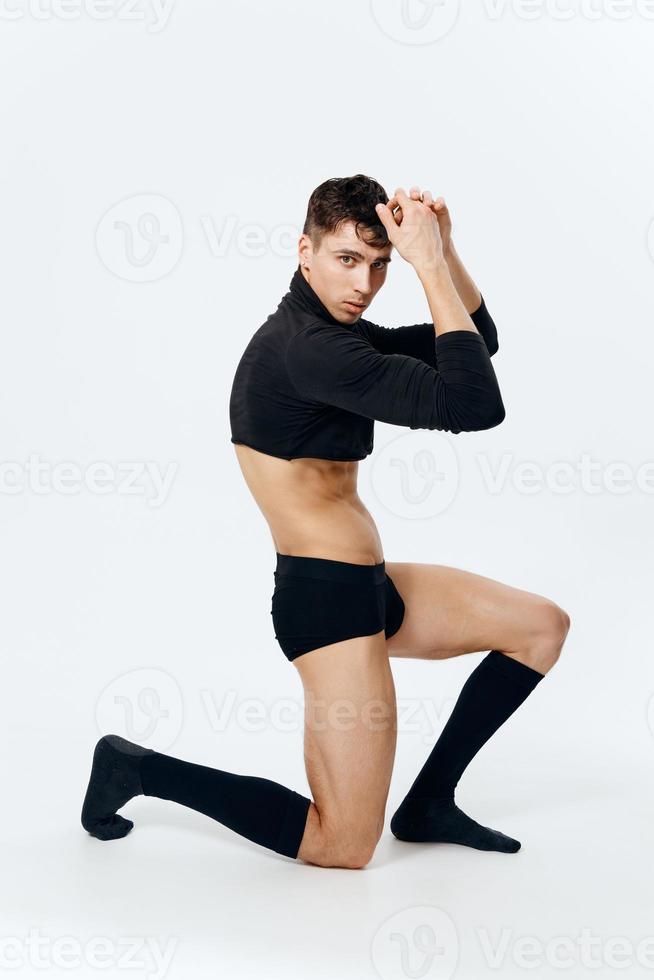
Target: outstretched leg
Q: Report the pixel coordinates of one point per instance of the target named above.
(260, 809)
(350, 735)
(450, 612)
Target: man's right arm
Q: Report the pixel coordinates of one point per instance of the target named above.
(330, 364)
(445, 305)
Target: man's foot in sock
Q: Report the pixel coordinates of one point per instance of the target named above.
(440, 820)
(115, 779)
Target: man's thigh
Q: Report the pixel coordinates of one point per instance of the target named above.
(349, 735)
(449, 611)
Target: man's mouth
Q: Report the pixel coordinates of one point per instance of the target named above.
(359, 306)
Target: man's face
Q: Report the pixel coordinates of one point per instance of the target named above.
(344, 271)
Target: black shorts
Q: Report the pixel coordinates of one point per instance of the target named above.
(318, 601)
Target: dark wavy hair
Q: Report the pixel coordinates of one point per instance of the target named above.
(346, 199)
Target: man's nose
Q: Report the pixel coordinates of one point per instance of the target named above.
(362, 283)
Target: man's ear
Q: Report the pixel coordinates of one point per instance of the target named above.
(305, 249)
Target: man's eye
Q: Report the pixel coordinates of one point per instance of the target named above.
(346, 256)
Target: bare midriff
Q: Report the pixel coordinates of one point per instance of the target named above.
(312, 506)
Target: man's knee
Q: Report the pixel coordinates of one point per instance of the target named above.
(548, 629)
(358, 856)
(555, 624)
(352, 846)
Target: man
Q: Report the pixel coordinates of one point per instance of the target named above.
(311, 382)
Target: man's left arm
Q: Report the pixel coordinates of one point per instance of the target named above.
(471, 298)
(417, 340)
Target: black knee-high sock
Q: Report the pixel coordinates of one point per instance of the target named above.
(261, 810)
(492, 692)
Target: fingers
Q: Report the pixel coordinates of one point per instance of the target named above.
(401, 197)
(386, 217)
(395, 202)
(415, 194)
(424, 196)
(395, 209)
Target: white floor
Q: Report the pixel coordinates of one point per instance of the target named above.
(183, 897)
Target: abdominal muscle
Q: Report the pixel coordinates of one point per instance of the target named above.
(312, 506)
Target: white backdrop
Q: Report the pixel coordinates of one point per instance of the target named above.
(156, 165)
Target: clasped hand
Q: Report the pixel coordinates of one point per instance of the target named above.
(418, 227)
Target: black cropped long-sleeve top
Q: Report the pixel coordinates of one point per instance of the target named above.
(310, 386)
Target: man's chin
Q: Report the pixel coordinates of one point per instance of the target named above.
(349, 314)
(343, 316)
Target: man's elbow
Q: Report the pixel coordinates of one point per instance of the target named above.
(492, 412)
(482, 416)
(495, 415)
